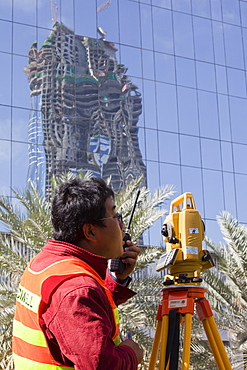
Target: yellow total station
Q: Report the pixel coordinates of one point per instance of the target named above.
(183, 232)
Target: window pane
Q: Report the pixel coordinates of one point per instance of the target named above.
(163, 35)
(20, 120)
(234, 46)
(183, 35)
(211, 154)
(203, 39)
(167, 107)
(66, 13)
(190, 151)
(226, 156)
(19, 165)
(131, 58)
(164, 68)
(240, 155)
(219, 45)
(5, 78)
(171, 174)
(221, 80)
(85, 18)
(146, 27)
(216, 10)
(185, 70)
(224, 117)
(152, 144)
(149, 106)
(5, 165)
(188, 111)
(238, 109)
(6, 36)
(183, 6)
(230, 10)
(192, 182)
(109, 21)
(20, 98)
(201, 8)
(148, 64)
(129, 23)
(212, 184)
(236, 82)
(205, 73)
(241, 186)
(208, 111)
(168, 147)
(230, 194)
(5, 122)
(24, 11)
(19, 46)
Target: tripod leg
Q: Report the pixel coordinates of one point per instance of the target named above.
(164, 335)
(216, 344)
(187, 340)
(156, 342)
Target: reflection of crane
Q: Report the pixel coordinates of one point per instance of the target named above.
(54, 10)
(104, 6)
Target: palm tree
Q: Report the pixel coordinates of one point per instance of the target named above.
(227, 285)
(29, 227)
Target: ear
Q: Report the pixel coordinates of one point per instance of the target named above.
(89, 232)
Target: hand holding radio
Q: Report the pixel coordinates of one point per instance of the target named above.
(117, 265)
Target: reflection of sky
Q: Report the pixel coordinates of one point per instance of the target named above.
(201, 117)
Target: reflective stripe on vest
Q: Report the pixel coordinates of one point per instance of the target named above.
(30, 349)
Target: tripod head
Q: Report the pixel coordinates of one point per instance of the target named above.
(183, 232)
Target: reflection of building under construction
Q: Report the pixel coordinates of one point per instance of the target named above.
(84, 111)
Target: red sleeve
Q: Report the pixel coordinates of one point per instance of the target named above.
(80, 320)
(119, 292)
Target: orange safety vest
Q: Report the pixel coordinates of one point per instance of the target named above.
(30, 348)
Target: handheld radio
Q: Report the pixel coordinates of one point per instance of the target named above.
(117, 264)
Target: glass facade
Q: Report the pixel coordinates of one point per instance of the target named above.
(123, 88)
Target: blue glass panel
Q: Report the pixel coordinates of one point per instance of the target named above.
(5, 166)
(164, 68)
(219, 45)
(149, 106)
(20, 79)
(211, 156)
(188, 111)
(205, 73)
(234, 46)
(241, 186)
(171, 174)
(192, 182)
(6, 36)
(182, 6)
(240, 155)
(152, 144)
(221, 79)
(226, 156)
(224, 117)
(230, 10)
(236, 82)
(108, 20)
(183, 35)
(146, 26)
(208, 110)
(129, 23)
(131, 58)
(167, 107)
(238, 110)
(5, 78)
(5, 122)
(213, 195)
(148, 64)
(163, 30)
(185, 72)
(19, 165)
(203, 39)
(216, 10)
(201, 8)
(169, 150)
(230, 193)
(190, 151)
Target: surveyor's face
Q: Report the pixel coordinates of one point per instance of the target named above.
(111, 236)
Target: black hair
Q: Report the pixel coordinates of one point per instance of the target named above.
(77, 203)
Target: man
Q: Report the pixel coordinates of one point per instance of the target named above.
(66, 315)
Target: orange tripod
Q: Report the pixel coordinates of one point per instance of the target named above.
(179, 301)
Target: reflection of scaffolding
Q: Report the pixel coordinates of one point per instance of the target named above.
(89, 107)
